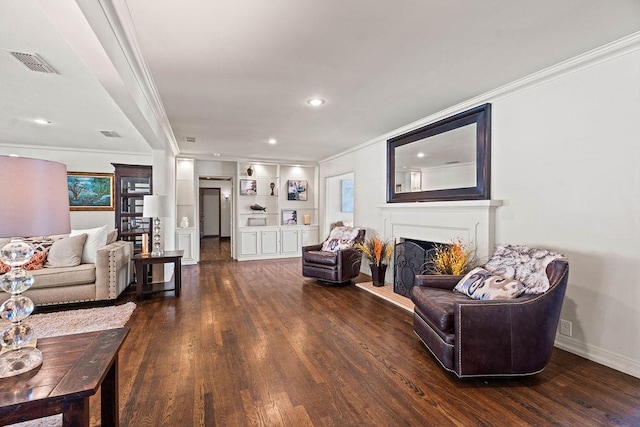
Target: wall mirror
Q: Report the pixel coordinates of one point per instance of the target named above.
(446, 160)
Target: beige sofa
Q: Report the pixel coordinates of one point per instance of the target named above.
(105, 279)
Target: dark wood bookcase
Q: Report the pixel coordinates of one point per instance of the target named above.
(133, 182)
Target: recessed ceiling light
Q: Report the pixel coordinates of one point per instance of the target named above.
(272, 141)
(315, 102)
(216, 154)
(42, 121)
(421, 154)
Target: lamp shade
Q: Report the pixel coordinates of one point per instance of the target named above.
(34, 197)
(155, 206)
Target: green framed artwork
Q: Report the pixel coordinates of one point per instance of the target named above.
(90, 191)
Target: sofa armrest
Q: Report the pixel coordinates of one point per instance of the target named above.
(312, 248)
(113, 269)
(439, 281)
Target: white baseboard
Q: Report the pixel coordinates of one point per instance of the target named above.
(598, 355)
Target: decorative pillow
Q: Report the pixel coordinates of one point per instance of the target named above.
(96, 239)
(40, 243)
(4, 268)
(37, 261)
(112, 236)
(524, 264)
(66, 252)
(482, 285)
(340, 238)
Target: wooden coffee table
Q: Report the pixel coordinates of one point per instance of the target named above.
(74, 367)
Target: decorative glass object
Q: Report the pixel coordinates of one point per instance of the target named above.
(155, 206)
(184, 223)
(16, 357)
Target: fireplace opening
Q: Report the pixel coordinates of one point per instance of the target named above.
(410, 258)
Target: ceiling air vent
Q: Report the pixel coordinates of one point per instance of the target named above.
(110, 133)
(34, 62)
(189, 139)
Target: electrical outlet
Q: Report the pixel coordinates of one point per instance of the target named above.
(565, 327)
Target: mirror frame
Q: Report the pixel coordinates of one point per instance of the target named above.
(481, 116)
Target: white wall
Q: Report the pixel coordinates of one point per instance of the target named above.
(564, 161)
(82, 161)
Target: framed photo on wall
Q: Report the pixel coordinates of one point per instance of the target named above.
(297, 190)
(248, 187)
(90, 191)
(289, 217)
(346, 195)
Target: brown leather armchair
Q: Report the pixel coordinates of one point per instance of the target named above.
(488, 338)
(332, 267)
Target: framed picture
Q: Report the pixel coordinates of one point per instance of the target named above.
(289, 217)
(89, 191)
(248, 187)
(346, 193)
(296, 190)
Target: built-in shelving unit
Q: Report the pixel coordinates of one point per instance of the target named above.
(186, 239)
(267, 234)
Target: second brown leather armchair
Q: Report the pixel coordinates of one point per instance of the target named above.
(332, 267)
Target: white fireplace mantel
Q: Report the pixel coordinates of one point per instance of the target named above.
(472, 221)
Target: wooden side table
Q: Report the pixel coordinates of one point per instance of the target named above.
(143, 261)
(73, 369)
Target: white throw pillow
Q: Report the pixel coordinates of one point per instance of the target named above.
(96, 239)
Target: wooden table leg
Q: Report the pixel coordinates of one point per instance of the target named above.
(109, 397)
(178, 276)
(141, 278)
(76, 412)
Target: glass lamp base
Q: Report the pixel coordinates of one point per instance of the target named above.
(16, 362)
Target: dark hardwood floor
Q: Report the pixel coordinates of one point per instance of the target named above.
(255, 344)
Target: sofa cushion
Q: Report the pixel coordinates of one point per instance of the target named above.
(482, 285)
(66, 252)
(96, 239)
(524, 264)
(321, 257)
(436, 305)
(340, 238)
(64, 276)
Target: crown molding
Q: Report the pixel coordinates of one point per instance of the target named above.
(620, 47)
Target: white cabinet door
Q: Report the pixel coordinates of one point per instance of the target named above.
(310, 236)
(290, 242)
(186, 240)
(249, 243)
(269, 242)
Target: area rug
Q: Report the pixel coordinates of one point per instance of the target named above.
(73, 322)
(78, 321)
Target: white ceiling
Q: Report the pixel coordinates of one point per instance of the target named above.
(234, 73)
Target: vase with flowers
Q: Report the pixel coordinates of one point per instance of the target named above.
(378, 252)
(455, 259)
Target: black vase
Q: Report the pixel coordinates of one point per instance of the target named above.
(377, 274)
(249, 171)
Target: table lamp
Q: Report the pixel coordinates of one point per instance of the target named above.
(35, 203)
(155, 206)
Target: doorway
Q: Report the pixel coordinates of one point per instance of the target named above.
(210, 217)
